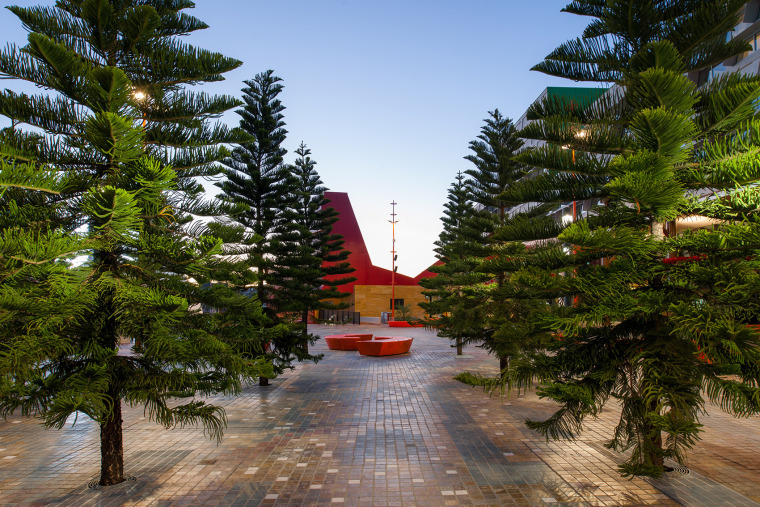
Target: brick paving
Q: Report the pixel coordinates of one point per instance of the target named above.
(371, 431)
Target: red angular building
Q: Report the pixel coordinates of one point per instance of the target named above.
(371, 292)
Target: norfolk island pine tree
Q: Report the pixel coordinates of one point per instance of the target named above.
(466, 295)
(256, 179)
(496, 170)
(259, 184)
(308, 251)
(649, 330)
(98, 159)
(458, 248)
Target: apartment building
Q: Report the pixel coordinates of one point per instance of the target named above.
(747, 63)
(582, 96)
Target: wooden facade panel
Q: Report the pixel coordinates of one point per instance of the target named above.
(370, 300)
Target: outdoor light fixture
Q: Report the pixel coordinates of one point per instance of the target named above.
(141, 96)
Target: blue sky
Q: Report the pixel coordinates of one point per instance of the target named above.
(386, 94)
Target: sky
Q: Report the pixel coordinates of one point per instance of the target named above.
(386, 94)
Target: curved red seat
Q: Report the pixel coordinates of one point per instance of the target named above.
(345, 341)
(385, 346)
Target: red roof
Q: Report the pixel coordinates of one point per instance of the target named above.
(366, 273)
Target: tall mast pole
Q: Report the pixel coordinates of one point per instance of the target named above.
(393, 222)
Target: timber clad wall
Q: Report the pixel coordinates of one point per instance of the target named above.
(370, 300)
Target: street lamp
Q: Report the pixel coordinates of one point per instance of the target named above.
(140, 96)
(579, 134)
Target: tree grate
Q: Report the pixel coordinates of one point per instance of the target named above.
(95, 483)
(675, 468)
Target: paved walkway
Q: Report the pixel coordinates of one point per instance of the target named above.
(354, 430)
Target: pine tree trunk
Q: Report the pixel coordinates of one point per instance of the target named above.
(503, 363)
(305, 343)
(653, 440)
(112, 448)
(111, 442)
(652, 446)
(656, 453)
(459, 346)
(264, 381)
(658, 230)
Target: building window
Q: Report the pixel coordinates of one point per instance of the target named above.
(399, 302)
(717, 71)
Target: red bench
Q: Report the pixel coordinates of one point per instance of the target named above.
(345, 341)
(385, 346)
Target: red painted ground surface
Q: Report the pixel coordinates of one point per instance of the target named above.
(402, 323)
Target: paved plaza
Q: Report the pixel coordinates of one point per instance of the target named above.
(385, 431)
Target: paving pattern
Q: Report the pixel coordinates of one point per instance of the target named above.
(371, 431)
